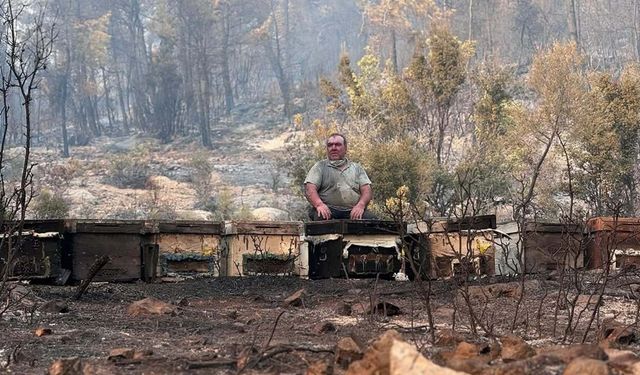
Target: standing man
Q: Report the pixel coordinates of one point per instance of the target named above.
(336, 187)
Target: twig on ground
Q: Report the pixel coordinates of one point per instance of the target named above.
(273, 330)
(209, 364)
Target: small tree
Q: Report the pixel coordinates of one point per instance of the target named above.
(27, 44)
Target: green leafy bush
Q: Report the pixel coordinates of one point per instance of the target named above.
(50, 206)
(130, 170)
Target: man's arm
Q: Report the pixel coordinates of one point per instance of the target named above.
(366, 193)
(311, 192)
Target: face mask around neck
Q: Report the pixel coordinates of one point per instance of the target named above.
(338, 163)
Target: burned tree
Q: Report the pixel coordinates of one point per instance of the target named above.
(27, 43)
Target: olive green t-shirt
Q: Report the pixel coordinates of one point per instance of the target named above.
(336, 188)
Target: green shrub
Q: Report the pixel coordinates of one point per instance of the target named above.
(130, 170)
(200, 176)
(50, 206)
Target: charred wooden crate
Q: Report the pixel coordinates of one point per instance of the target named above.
(339, 248)
(133, 255)
(614, 241)
(261, 247)
(547, 247)
(445, 247)
(553, 246)
(33, 255)
(189, 246)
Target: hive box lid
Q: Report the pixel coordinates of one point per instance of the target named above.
(108, 226)
(316, 228)
(189, 227)
(264, 227)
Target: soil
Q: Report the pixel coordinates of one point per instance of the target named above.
(223, 325)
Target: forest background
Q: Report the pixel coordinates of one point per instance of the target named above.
(524, 108)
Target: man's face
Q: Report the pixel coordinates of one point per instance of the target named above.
(336, 149)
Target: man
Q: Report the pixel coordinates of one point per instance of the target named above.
(336, 187)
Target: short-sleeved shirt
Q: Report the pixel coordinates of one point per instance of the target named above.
(338, 189)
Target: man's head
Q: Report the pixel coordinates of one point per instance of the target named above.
(336, 146)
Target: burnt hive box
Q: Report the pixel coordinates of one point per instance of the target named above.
(444, 247)
(33, 255)
(340, 248)
(261, 247)
(127, 243)
(189, 246)
(613, 241)
(553, 246)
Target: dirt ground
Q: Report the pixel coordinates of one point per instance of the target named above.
(232, 325)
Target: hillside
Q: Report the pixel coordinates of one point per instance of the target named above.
(245, 180)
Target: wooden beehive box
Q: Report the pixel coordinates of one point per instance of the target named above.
(34, 255)
(189, 246)
(341, 248)
(613, 240)
(122, 241)
(553, 246)
(260, 247)
(439, 246)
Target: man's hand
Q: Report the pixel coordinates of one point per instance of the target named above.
(357, 211)
(323, 211)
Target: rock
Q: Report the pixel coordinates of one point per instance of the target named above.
(623, 360)
(469, 357)
(404, 359)
(324, 327)
(296, 299)
(195, 215)
(586, 366)
(469, 365)
(569, 353)
(318, 368)
(501, 290)
(121, 353)
(40, 331)
(270, 214)
(66, 366)
(448, 337)
(376, 358)
(344, 309)
(466, 350)
(184, 301)
(54, 307)
(139, 354)
(539, 365)
(385, 309)
(584, 299)
(612, 332)
(347, 351)
(514, 348)
(127, 144)
(22, 295)
(150, 306)
(240, 327)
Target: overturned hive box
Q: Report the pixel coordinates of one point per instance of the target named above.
(261, 247)
(340, 248)
(448, 246)
(188, 246)
(129, 245)
(613, 241)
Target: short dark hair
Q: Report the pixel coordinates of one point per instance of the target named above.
(338, 135)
